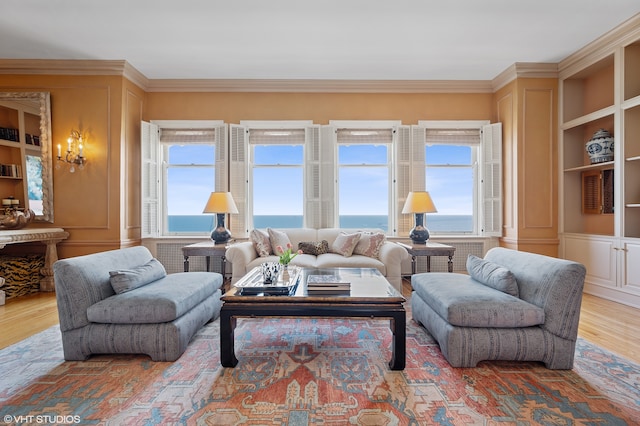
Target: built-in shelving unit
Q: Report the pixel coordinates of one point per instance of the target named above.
(601, 90)
(19, 139)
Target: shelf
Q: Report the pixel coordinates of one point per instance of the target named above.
(631, 66)
(633, 205)
(589, 90)
(634, 158)
(588, 118)
(605, 165)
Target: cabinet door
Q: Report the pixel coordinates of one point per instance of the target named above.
(631, 279)
(597, 255)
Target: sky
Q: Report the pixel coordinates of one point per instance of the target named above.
(279, 191)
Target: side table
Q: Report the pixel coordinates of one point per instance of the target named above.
(208, 249)
(429, 249)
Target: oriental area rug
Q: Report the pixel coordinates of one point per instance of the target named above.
(311, 372)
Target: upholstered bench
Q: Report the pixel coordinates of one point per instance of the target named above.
(123, 301)
(512, 306)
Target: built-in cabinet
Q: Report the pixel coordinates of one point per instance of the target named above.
(600, 203)
(19, 139)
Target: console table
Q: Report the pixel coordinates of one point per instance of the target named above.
(429, 249)
(49, 236)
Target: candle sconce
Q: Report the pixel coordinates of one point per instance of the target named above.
(74, 153)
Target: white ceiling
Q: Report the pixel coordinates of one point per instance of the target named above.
(297, 39)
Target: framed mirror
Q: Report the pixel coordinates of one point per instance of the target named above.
(33, 134)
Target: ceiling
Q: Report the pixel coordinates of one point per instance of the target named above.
(297, 39)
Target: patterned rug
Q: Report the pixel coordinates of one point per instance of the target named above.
(311, 372)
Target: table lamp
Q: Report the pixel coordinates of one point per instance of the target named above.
(419, 202)
(220, 203)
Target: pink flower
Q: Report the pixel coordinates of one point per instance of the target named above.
(287, 255)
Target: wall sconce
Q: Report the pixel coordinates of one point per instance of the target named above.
(74, 153)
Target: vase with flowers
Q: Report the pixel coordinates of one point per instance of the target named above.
(286, 255)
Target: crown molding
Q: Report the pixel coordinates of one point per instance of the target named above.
(73, 67)
(321, 86)
(524, 70)
(622, 35)
(123, 68)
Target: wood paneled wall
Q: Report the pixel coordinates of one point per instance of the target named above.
(100, 205)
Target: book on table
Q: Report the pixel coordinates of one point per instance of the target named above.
(327, 284)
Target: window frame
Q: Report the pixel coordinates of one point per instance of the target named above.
(488, 192)
(157, 223)
(241, 166)
(388, 125)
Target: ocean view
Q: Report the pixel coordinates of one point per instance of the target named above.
(435, 223)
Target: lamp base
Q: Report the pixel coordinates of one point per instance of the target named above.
(220, 234)
(419, 235)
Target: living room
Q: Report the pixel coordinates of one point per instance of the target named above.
(100, 206)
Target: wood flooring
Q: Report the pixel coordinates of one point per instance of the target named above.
(610, 325)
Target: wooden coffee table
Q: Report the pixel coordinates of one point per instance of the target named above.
(370, 296)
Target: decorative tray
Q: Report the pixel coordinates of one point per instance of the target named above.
(253, 285)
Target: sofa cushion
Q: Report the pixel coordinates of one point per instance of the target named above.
(370, 244)
(345, 243)
(163, 300)
(492, 275)
(124, 280)
(464, 302)
(314, 247)
(278, 239)
(261, 242)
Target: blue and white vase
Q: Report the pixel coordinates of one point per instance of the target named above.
(600, 147)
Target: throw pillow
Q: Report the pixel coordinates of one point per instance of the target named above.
(370, 244)
(278, 238)
(314, 247)
(492, 275)
(124, 280)
(345, 243)
(261, 242)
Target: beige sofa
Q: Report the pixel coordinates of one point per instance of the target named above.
(244, 257)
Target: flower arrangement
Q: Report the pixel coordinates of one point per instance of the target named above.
(287, 255)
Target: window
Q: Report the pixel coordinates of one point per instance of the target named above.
(189, 175)
(450, 179)
(364, 178)
(277, 178)
(183, 162)
(467, 196)
(273, 169)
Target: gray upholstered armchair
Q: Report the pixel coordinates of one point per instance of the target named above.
(144, 311)
(513, 306)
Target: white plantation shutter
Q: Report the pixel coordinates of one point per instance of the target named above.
(491, 180)
(222, 148)
(328, 178)
(406, 173)
(150, 190)
(313, 200)
(238, 178)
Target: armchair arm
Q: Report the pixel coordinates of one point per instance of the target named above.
(392, 255)
(240, 255)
